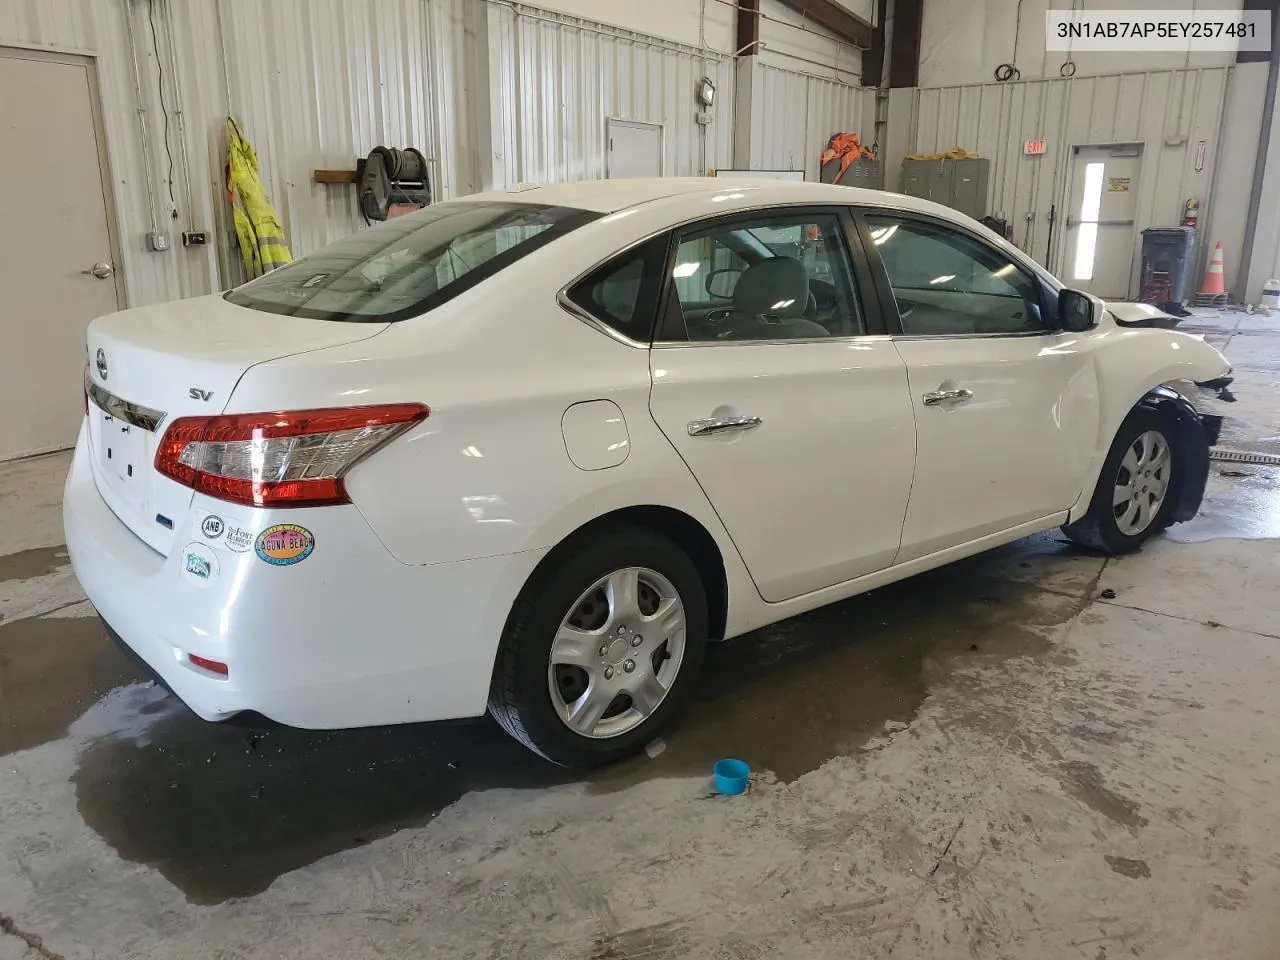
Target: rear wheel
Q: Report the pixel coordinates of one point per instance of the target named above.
(1137, 489)
(600, 649)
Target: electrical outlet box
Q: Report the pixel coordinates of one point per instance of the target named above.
(702, 118)
(157, 241)
(195, 239)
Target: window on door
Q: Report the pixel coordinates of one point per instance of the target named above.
(947, 283)
(1090, 206)
(771, 278)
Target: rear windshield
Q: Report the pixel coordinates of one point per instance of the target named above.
(409, 265)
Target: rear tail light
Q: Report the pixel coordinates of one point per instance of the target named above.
(295, 458)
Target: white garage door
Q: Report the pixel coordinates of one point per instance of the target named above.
(54, 212)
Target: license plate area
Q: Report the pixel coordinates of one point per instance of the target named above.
(123, 451)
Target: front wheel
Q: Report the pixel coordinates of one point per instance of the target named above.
(601, 648)
(1137, 489)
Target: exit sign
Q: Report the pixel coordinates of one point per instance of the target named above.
(1033, 148)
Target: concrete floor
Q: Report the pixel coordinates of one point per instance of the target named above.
(999, 759)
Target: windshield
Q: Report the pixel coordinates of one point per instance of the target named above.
(409, 265)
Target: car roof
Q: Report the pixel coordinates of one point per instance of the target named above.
(609, 196)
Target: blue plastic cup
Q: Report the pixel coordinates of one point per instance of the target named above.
(731, 776)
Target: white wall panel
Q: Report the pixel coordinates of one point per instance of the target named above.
(97, 28)
(314, 83)
(784, 33)
(964, 42)
(792, 41)
(556, 80)
(794, 114)
(1171, 112)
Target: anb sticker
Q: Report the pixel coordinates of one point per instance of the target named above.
(284, 544)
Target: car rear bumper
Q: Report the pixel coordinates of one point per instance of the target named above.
(348, 636)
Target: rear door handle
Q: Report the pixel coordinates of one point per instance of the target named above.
(936, 397)
(701, 428)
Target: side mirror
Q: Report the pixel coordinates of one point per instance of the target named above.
(1078, 311)
(721, 283)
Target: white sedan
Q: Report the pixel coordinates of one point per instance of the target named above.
(528, 452)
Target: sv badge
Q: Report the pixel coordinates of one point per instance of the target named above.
(195, 393)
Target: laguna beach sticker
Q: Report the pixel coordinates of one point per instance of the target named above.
(284, 544)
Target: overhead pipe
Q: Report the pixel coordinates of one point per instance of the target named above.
(595, 26)
(143, 127)
(179, 116)
(786, 23)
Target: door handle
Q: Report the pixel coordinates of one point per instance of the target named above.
(958, 395)
(701, 428)
(100, 271)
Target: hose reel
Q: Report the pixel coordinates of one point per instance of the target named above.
(390, 179)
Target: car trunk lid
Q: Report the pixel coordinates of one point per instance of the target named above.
(151, 365)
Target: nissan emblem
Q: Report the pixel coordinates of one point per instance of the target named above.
(102, 363)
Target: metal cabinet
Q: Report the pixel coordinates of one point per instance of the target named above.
(960, 184)
(861, 173)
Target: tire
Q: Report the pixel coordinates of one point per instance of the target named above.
(1122, 527)
(603, 654)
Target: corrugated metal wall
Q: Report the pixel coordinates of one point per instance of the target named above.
(794, 114)
(1170, 112)
(555, 80)
(95, 27)
(314, 83)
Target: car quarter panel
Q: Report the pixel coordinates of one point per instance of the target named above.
(347, 636)
(1130, 363)
(488, 472)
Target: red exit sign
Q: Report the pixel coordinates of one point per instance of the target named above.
(1033, 148)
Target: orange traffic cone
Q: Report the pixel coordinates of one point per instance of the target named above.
(1214, 284)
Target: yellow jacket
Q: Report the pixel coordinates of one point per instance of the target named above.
(258, 228)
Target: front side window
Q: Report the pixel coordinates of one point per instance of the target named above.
(409, 265)
(947, 283)
(775, 277)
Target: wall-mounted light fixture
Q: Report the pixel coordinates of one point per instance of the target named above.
(706, 92)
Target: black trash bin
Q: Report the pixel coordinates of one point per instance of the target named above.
(1166, 262)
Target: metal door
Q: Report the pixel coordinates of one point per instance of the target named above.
(1100, 219)
(635, 149)
(57, 268)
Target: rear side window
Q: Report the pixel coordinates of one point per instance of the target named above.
(623, 293)
(409, 265)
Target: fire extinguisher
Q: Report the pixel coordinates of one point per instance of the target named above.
(1191, 213)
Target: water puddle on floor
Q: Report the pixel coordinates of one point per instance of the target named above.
(221, 811)
(51, 671)
(26, 564)
(1241, 502)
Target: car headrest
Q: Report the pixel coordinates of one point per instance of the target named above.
(778, 287)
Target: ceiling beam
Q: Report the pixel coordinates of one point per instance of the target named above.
(840, 21)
